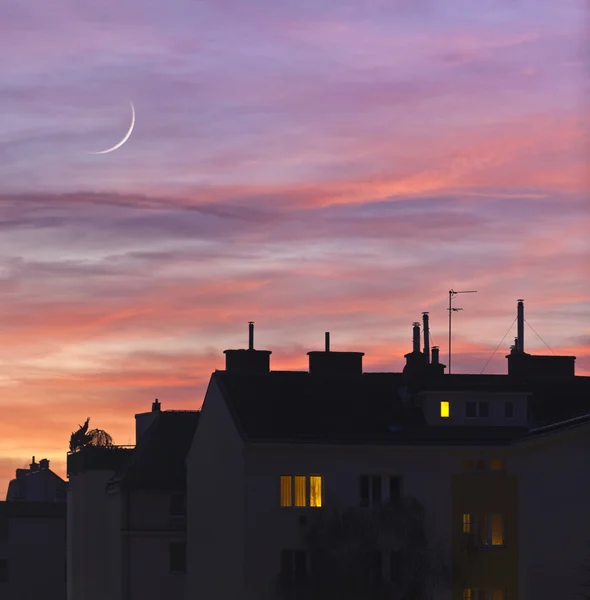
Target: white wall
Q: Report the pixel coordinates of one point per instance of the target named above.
(215, 505)
(88, 536)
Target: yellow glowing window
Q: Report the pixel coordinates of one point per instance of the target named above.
(300, 489)
(497, 530)
(315, 490)
(286, 490)
(466, 523)
(467, 595)
(444, 409)
(497, 594)
(497, 466)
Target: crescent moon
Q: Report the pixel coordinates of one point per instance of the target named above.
(126, 135)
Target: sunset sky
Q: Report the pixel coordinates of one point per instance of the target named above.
(309, 165)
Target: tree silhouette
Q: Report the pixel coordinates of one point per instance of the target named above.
(383, 553)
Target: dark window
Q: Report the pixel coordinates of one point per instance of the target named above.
(376, 489)
(3, 569)
(470, 409)
(300, 563)
(177, 505)
(395, 568)
(395, 489)
(3, 526)
(177, 557)
(376, 567)
(293, 566)
(509, 409)
(364, 490)
(481, 465)
(484, 409)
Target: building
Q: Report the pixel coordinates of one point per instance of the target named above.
(126, 512)
(499, 462)
(33, 536)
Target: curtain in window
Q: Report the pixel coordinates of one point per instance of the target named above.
(286, 490)
(315, 491)
(300, 490)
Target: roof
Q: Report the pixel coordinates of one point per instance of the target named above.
(41, 485)
(159, 458)
(285, 406)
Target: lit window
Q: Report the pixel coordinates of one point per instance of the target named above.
(497, 465)
(295, 490)
(286, 490)
(444, 409)
(468, 465)
(497, 530)
(315, 490)
(498, 595)
(300, 489)
(467, 594)
(466, 523)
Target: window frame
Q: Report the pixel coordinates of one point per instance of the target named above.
(292, 490)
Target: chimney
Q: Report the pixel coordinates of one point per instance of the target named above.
(435, 355)
(426, 329)
(327, 336)
(34, 466)
(520, 326)
(335, 364)
(416, 337)
(251, 335)
(144, 420)
(248, 361)
(44, 464)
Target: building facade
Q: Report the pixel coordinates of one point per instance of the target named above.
(494, 460)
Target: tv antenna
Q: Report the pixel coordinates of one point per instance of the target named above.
(452, 309)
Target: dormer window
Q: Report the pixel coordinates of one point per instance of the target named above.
(477, 409)
(445, 409)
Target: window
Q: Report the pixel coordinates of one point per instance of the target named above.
(372, 492)
(293, 566)
(3, 569)
(468, 465)
(295, 490)
(466, 523)
(490, 530)
(177, 557)
(483, 594)
(395, 489)
(445, 409)
(395, 566)
(376, 490)
(509, 410)
(481, 465)
(177, 505)
(477, 409)
(497, 465)
(315, 491)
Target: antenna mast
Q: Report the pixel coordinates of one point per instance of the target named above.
(451, 309)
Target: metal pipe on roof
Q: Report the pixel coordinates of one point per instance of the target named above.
(426, 337)
(251, 335)
(327, 337)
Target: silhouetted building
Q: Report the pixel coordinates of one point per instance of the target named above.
(33, 535)
(500, 463)
(38, 483)
(134, 500)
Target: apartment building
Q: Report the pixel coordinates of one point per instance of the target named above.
(126, 513)
(498, 462)
(33, 536)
